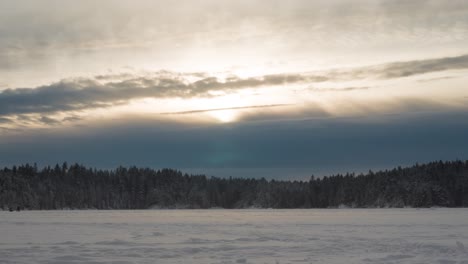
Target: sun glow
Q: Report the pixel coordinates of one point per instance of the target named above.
(213, 109)
(224, 116)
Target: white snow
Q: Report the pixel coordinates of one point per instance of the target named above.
(236, 236)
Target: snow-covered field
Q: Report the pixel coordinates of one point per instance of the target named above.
(236, 236)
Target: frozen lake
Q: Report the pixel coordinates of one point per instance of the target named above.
(236, 236)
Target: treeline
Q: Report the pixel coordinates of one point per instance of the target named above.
(78, 187)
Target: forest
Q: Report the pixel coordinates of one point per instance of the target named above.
(75, 186)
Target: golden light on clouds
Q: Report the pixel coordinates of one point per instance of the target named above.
(213, 62)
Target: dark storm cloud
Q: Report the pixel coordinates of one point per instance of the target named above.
(80, 94)
(321, 145)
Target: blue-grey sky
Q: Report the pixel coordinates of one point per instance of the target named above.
(258, 88)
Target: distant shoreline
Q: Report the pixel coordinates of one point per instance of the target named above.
(435, 184)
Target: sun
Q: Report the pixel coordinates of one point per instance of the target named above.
(224, 116)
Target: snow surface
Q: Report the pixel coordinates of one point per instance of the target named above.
(236, 236)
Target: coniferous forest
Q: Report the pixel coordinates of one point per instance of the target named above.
(78, 187)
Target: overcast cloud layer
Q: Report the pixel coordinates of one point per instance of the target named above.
(234, 86)
(43, 41)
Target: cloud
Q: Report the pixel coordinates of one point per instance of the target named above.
(226, 108)
(79, 94)
(72, 118)
(48, 121)
(88, 93)
(4, 120)
(345, 89)
(438, 78)
(410, 68)
(402, 69)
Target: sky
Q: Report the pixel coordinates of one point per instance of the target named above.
(257, 88)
